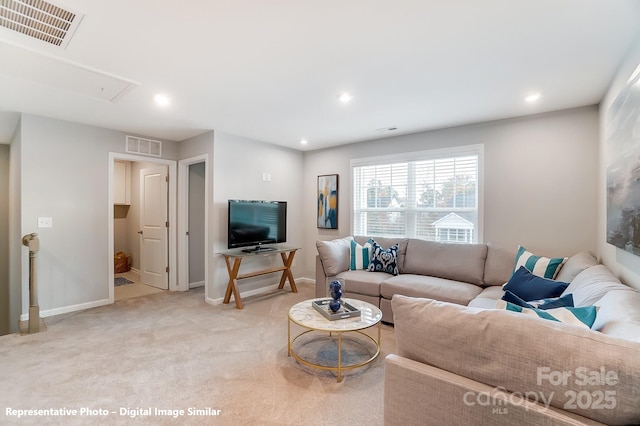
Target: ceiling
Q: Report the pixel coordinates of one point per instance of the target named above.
(273, 70)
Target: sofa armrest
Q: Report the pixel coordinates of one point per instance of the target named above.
(321, 279)
(416, 393)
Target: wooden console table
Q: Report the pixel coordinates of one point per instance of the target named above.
(286, 253)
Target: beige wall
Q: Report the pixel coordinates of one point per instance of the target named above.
(238, 167)
(73, 262)
(540, 179)
(624, 264)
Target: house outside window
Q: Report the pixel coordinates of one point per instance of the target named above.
(432, 195)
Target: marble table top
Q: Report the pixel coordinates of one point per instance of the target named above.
(305, 315)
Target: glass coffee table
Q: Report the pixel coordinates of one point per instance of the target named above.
(305, 315)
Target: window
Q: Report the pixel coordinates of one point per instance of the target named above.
(432, 195)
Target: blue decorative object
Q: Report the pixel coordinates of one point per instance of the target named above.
(335, 287)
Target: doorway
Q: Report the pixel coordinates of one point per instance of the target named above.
(193, 227)
(157, 236)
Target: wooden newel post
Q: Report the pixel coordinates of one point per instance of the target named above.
(33, 243)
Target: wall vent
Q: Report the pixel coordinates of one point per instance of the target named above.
(143, 146)
(40, 20)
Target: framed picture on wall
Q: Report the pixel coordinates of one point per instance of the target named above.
(327, 199)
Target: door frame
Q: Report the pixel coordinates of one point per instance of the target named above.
(183, 220)
(172, 231)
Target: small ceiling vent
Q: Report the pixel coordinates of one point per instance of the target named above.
(40, 20)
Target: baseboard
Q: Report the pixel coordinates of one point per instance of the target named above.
(196, 284)
(218, 301)
(68, 309)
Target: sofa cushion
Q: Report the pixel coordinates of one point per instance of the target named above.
(593, 283)
(538, 265)
(576, 264)
(518, 353)
(383, 260)
(498, 267)
(459, 262)
(528, 286)
(430, 287)
(619, 314)
(362, 282)
(487, 298)
(388, 242)
(359, 255)
(334, 255)
(583, 316)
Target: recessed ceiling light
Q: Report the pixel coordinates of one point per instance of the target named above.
(161, 100)
(532, 97)
(345, 97)
(303, 142)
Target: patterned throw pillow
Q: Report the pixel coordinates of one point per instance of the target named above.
(583, 316)
(360, 255)
(538, 265)
(384, 260)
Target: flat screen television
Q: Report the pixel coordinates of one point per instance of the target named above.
(256, 224)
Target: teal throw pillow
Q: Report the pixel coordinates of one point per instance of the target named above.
(541, 266)
(583, 316)
(360, 255)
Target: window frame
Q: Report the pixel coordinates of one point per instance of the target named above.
(426, 155)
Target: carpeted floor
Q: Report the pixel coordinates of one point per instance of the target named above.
(172, 351)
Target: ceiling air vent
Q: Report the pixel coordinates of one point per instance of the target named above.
(143, 146)
(39, 19)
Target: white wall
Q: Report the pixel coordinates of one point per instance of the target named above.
(4, 237)
(64, 174)
(237, 168)
(625, 265)
(540, 179)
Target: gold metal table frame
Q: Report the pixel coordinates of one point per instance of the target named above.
(305, 316)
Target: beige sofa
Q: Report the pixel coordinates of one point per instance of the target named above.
(457, 362)
(457, 273)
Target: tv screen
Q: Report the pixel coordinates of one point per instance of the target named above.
(255, 223)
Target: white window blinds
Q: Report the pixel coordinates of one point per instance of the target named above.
(432, 195)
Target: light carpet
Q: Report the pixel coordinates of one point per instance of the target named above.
(172, 351)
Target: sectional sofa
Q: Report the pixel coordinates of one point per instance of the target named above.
(460, 361)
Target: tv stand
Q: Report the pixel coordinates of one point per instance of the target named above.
(286, 253)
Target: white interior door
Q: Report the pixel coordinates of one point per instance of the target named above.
(154, 227)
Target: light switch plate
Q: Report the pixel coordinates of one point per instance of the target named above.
(45, 222)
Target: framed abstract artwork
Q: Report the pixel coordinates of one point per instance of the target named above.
(623, 168)
(327, 199)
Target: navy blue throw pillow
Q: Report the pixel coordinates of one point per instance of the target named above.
(528, 287)
(565, 301)
(383, 260)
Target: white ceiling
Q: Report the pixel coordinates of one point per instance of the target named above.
(272, 70)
